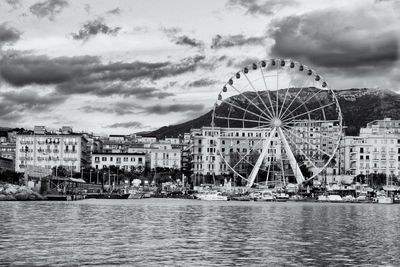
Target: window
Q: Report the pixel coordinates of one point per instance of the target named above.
(111, 158)
(96, 159)
(103, 159)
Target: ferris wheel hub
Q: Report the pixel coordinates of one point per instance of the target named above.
(276, 122)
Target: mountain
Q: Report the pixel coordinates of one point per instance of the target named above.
(359, 106)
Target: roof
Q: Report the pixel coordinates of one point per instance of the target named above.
(68, 179)
(6, 159)
(120, 154)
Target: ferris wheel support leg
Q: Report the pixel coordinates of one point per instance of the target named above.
(263, 154)
(292, 160)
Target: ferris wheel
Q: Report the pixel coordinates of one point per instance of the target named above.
(279, 121)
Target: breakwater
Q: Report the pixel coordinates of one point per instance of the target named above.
(9, 192)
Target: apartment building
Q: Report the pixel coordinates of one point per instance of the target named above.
(375, 150)
(165, 155)
(45, 150)
(208, 144)
(126, 161)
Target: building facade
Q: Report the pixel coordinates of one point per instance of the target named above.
(47, 150)
(212, 148)
(125, 161)
(165, 155)
(375, 150)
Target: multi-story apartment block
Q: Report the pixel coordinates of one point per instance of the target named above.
(45, 150)
(7, 150)
(375, 150)
(208, 144)
(126, 161)
(165, 155)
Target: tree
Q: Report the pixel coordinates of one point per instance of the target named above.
(61, 171)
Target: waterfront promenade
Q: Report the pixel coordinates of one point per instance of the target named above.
(175, 232)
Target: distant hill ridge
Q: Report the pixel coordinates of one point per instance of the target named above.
(359, 106)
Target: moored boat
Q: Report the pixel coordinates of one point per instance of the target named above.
(335, 198)
(267, 196)
(384, 200)
(281, 197)
(212, 196)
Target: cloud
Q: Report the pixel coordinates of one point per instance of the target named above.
(240, 63)
(48, 8)
(202, 83)
(8, 34)
(87, 75)
(14, 3)
(159, 109)
(119, 108)
(20, 70)
(129, 124)
(219, 41)
(94, 27)
(256, 7)
(185, 40)
(14, 104)
(87, 8)
(362, 37)
(115, 11)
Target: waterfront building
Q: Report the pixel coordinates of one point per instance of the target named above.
(375, 150)
(7, 150)
(207, 144)
(45, 150)
(173, 140)
(165, 155)
(126, 161)
(6, 164)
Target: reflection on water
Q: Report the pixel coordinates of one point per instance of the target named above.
(170, 232)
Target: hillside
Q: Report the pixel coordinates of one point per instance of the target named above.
(359, 106)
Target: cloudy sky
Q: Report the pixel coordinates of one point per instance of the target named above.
(126, 66)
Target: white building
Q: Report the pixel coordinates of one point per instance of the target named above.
(207, 145)
(376, 150)
(172, 140)
(165, 155)
(126, 161)
(45, 150)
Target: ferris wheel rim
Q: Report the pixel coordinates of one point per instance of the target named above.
(269, 112)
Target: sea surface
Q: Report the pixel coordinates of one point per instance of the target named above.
(174, 232)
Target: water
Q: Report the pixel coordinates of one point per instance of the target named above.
(170, 232)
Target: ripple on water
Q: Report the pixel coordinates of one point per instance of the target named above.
(156, 232)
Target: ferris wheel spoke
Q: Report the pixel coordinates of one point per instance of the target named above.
(277, 90)
(309, 112)
(236, 119)
(260, 159)
(292, 160)
(296, 96)
(283, 104)
(282, 168)
(305, 141)
(305, 102)
(256, 106)
(266, 89)
(250, 112)
(301, 151)
(248, 153)
(269, 167)
(230, 167)
(254, 89)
